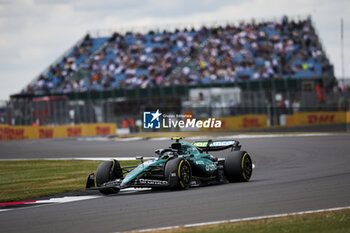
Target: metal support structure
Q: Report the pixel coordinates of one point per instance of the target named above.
(342, 46)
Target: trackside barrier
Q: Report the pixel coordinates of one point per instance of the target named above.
(8, 132)
(317, 118)
(249, 121)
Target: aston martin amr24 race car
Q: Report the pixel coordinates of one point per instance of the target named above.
(180, 166)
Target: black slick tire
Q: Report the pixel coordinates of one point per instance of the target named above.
(108, 171)
(238, 166)
(179, 174)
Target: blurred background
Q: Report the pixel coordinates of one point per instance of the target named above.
(252, 64)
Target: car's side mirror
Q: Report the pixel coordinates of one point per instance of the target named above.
(139, 158)
(158, 151)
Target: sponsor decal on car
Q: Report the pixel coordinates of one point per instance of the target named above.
(199, 162)
(200, 144)
(223, 143)
(153, 182)
(214, 144)
(112, 183)
(210, 167)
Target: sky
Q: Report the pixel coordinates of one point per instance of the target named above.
(34, 33)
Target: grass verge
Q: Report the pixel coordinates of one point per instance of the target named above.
(332, 221)
(35, 178)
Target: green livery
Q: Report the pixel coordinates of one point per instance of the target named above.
(180, 166)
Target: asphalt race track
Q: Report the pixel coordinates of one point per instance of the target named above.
(292, 173)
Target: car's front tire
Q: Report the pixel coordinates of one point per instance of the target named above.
(238, 166)
(108, 171)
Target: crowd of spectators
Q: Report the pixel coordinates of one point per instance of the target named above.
(219, 54)
(58, 74)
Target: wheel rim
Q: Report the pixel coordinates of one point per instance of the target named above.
(185, 174)
(247, 167)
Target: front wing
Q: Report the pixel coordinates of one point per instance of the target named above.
(154, 183)
(137, 183)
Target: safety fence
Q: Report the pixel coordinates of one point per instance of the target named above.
(8, 132)
(229, 123)
(271, 97)
(260, 121)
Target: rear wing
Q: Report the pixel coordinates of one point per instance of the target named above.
(217, 145)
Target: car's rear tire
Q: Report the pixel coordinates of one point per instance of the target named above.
(108, 171)
(179, 174)
(238, 166)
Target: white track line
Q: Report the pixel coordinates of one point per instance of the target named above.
(238, 136)
(58, 200)
(128, 139)
(87, 158)
(243, 136)
(159, 139)
(105, 158)
(278, 135)
(68, 199)
(109, 139)
(242, 219)
(93, 139)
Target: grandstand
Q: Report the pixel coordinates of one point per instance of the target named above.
(209, 55)
(268, 67)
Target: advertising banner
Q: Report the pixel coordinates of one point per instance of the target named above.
(318, 118)
(250, 121)
(8, 132)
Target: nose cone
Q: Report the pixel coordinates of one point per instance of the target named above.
(137, 172)
(132, 175)
(127, 179)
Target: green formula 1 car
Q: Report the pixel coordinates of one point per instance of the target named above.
(180, 166)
